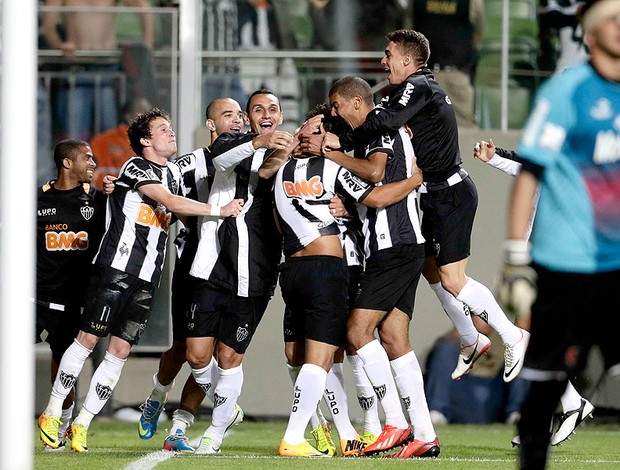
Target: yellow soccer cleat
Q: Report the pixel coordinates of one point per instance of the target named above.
(369, 437)
(323, 437)
(78, 435)
(49, 430)
(303, 449)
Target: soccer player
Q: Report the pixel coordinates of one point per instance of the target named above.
(314, 277)
(575, 408)
(197, 170)
(394, 259)
(448, 197)
(236, 263)
(572, 160)
(70, 224)
(127, 269)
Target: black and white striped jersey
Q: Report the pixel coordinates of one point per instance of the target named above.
(240, 254)
(196, 180)
(302, 191)
(398, 224)
(136, 226)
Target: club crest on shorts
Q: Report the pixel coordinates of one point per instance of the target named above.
(87, 212)
(242, 333)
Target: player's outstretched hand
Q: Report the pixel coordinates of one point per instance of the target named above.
(232, 209)
(484, 150)
(516, 289)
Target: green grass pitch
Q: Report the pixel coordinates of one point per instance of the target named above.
(115, 445)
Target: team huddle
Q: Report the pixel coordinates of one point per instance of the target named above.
(346, 215)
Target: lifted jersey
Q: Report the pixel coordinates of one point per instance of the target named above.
(137, 226)
(70, 225)
(303, 189)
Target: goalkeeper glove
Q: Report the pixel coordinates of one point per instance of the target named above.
(517, 284)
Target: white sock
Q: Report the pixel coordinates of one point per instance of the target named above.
(65, 418)
(203, 378)
(68, 372)
(365, 396)
(103, 382)
(480, 301)
(307, 393)
(215, 377)
(317, 418)
(224, 399)
(408, 377)
(336, 398)
(458, 313)
(84, 418)
(377, 367)
(160, 392)
(570, 399)
(181, 420)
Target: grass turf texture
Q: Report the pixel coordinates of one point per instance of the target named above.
(115, 445)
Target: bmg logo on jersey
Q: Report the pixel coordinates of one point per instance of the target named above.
(66, 241)
(153, 217)
(305, 188)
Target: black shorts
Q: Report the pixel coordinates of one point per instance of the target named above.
(62, 327)
(117, 303)
(447, 221)
(315, 292)
(182, 290)
(572, 313)
(219, 314)
(391, 278)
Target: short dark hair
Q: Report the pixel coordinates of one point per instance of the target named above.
(68, 148)
(333, 124)
(350, 86)
(140, 126)
(412, 43)
(261, 91)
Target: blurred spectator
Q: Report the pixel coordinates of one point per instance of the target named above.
(480, 397)
(375, 20)
(220, 32)
(86, 101)
(111, 148)
(560, 35)
(453, 29)
(266, 25)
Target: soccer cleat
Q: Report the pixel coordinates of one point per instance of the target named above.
(48, 426)
(208, 445)
(570, 420)
(516, 441)
(352, 447)
(513, 356)
(417, 449)
(303, 449)
(236, 417)
(323, 438)
(469, 355)
(369, 437)
(62, 444)
(178, 443)
(147, 426)
(389, 438)
(78, 435)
